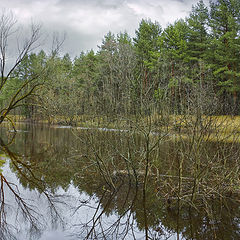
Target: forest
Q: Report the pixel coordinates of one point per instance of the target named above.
(191, 66)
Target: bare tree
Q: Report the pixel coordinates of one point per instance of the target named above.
(8, 31)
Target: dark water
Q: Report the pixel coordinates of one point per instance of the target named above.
(63, 184)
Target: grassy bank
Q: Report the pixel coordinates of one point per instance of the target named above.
(209, 128)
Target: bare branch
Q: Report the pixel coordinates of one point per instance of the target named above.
(7, 28)
(7, 23)
(57, 43)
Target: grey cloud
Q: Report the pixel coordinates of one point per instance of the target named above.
(87, 21)
(104, 4)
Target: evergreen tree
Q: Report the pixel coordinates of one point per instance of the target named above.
(175, 53)
(147, 45)
(225, 29)
(198, 38)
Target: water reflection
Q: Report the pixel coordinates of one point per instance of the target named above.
(53, 187)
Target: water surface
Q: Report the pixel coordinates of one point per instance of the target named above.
(59, 183)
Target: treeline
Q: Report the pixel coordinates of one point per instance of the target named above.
(192, 65)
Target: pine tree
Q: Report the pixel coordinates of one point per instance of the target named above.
(225, 29)
(175, 46)
(147, 45)
(198, 39)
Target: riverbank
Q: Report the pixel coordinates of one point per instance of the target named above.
(210, 128)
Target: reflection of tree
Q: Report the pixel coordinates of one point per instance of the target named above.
(125, 217)
(28, 212)
(25, 209)
(49, 162)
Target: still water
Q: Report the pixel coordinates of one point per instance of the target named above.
(61, 184)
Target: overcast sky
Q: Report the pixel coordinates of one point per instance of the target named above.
(87, 21)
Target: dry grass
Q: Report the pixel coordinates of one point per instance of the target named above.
(218, 128)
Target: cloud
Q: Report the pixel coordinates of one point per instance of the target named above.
(87, 21)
